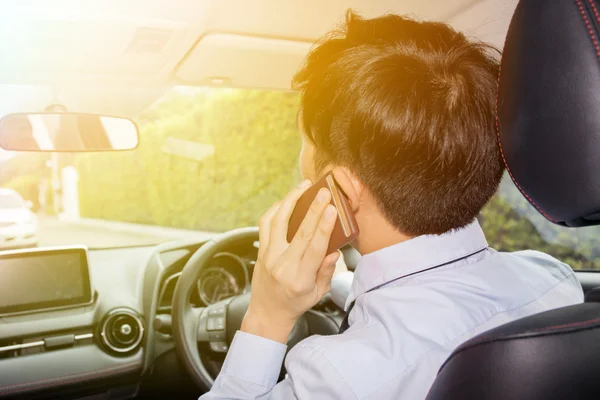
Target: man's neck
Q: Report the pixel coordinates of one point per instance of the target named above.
(376, 232)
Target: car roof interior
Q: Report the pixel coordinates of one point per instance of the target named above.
(134, 51)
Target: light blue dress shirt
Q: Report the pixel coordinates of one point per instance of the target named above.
(415, 302)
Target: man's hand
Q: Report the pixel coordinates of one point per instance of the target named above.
(290, 278)
(340, 267)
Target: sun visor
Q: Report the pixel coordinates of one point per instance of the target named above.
(242, 61)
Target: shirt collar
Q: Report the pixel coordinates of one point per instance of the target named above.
(413, 256)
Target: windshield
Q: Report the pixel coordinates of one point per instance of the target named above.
(211, 160)
(8, 201)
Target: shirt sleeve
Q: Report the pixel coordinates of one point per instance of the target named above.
(252, 367)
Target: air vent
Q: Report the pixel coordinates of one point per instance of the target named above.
(43, 343)
(122, 331)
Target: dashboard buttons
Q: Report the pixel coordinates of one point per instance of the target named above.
(211, 327)
(215, 324)
(219, 347)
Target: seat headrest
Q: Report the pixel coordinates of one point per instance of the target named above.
(549, 108)
(548, 356)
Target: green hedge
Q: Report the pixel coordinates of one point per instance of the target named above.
(255, 163)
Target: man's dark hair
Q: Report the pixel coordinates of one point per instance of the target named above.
(409, 108)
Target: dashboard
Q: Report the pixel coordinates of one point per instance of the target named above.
(118, 345)
(110, 345)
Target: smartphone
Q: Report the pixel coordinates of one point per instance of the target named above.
(345, 229)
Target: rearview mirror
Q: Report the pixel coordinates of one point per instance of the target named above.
(70, 132)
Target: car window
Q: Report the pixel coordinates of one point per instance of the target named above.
(511, 224)
(209, 160)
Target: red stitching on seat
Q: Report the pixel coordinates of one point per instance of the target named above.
(571, 325)
(595, 10)
(588, 25)
(502, 150)
(597, 19)
(488, 338)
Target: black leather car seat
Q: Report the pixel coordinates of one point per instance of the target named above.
(548, 125)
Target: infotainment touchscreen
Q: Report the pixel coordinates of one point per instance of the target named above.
(43, 278)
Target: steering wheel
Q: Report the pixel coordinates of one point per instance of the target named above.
(216, 324)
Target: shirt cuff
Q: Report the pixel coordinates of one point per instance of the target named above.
(254, 359)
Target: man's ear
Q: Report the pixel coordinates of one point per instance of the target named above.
(349, 184)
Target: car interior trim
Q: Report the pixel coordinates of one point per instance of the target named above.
(165, 285)
(42, 343)
(74, 364)
(57, 308)
(4, 390)
(116, 313)
(15, 347)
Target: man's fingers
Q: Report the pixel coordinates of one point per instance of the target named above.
(310, 223)
(326, 272)
(264, 228)
(316, 249)
(280, 222)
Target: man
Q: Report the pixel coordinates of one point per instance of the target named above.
(403, 113)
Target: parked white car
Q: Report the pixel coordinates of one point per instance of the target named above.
(18, 224)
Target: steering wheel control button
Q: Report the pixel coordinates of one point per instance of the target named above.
(219, 310)
(217, 336)
(215, 324)
(219, 347)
